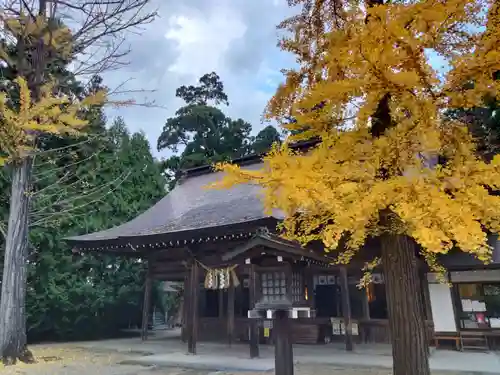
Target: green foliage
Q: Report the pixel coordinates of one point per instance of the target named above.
(264, 139)
(79, 297)
(201, 134)
(484, 125)
(86, 186)
(210, 88)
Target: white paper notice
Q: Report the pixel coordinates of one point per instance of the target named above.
(466, 305)
(478, 306)
(355, 330)
(336, 326)
(494, 322)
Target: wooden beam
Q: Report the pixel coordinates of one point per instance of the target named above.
(230, 313)
(159, 268)
(147, 302)
(254, 328)
(346, 308)
(172, 253)
(178, 276)
(275, 245)
(172, 263)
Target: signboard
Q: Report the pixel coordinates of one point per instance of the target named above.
(338, 327)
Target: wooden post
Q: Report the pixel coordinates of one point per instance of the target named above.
(365, 331)
(346, 308)
(426, 304)
(220, 295)
(366, 304)
(147, 301)
(193, 304)
(186, 307)
(426, 296)
(230, 313)
(289, 281)
(254, 328)
(283, 354)
(311, 298)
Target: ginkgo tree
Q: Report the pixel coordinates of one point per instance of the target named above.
(34, 40)
(21, 123)
(25, 114)
(390, 165)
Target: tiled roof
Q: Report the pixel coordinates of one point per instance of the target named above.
(191, 206)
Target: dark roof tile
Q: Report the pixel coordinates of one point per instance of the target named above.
(192, 205)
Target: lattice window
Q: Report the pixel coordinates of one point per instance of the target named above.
(273, 285)
(297, 287)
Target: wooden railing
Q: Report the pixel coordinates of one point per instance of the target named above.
(305, 330)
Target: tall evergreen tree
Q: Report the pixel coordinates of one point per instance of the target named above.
(265, 139)
(201, 134)
(38, 40)
(204, 132)
(91, 296)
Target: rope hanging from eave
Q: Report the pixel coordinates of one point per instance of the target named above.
(220, 278)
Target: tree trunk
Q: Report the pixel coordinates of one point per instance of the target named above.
(406, 319)
(12, 302)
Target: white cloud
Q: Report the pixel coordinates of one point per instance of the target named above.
(235, 38)
(202, 41)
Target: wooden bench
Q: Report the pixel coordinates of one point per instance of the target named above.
(474, 340)
(447, 337)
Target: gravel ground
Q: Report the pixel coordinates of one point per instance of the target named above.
(60, 360)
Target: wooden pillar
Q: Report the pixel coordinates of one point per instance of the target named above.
(220, 295)
(426, 296)
(365, 331)
(346, 308)
(254, 328)
(311, 297)
(426, 304)
(193, 307)
(283, 354)
(230, 313)
(147, 301)
(186, 308)
(289, 281)
(366, 304)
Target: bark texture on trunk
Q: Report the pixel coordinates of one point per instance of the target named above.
(12, 303)
(404, 305)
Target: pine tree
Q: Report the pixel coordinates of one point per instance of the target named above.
(389, 165)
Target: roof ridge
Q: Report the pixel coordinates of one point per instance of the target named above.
(244, 160)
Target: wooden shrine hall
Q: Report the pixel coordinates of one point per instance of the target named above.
(224, 247)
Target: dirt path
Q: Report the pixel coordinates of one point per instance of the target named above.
(66, 360)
